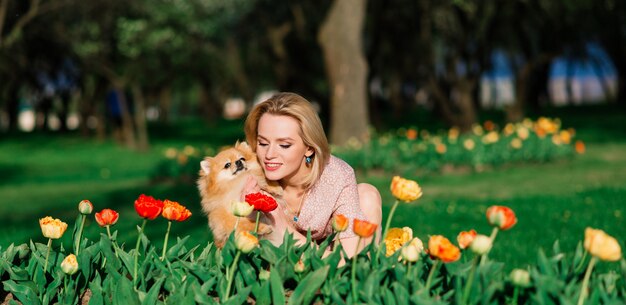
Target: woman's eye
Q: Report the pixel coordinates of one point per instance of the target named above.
(227, 165)
(285, 145)
(262, 144)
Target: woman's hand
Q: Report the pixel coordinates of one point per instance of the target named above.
(251, 186)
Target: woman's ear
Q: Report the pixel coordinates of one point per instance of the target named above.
(309, 152)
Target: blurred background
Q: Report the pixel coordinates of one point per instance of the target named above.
(105, 100)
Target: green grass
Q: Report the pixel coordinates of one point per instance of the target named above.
(48, 175)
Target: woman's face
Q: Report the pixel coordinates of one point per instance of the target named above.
(280, 148)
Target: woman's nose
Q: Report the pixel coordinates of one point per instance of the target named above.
(270, 153)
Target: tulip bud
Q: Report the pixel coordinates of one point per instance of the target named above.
(241, 208)
(245, 241)
(299, 267)
(264, 275)
(520, 277)
(411, 251)
(85, 207)
(340, 223)
(481, 244)
(69, 265)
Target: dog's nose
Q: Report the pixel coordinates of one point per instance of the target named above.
(239, 164)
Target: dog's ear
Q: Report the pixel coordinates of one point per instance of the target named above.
(205, 165)
(242, 145)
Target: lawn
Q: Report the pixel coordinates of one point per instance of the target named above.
(48, 175)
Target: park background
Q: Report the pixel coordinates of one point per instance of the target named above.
(107, 100)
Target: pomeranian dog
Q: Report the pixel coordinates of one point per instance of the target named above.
(222, 179)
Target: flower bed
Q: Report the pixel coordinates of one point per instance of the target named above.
(401, 270)
(412, 151)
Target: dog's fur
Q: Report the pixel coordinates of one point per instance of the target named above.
(222, 179)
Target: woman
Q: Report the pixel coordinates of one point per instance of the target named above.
(289, 140)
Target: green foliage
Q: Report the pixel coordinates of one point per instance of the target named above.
(198, 275)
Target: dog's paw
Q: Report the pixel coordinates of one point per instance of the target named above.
(264, 229)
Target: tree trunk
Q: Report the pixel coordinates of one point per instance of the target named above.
(165, 103)
(340, 37)
(128, 130)
(140, 118)
(515, 112)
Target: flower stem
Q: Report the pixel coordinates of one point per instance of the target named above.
(167, 234)
(45, 265)
(355, 294)
(391, 212)
(470, 280)
(137, 251)
(430, 275)
(515, 294)
(493, 235)
(387, 225)
(583, 289)
(256, 224)
(112, 241)
(231, 274)
(80, 233)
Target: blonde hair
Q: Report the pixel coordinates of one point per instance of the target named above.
(311, 129)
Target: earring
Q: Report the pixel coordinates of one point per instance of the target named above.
(308, 160)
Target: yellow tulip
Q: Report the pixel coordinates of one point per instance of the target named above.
(52, 228)
(601, 245)
(405, 190)
(396, 238)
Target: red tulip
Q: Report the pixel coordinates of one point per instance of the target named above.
(107, 217)
(261, 202)
(148, 207)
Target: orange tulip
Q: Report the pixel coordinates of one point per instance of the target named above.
(107, 217)
(174, 211)
(579, 146)
(363, 228)
(411, 134)
(340, 223)
(441, 248)
(501, 216)
(405, 190)
(465, 238)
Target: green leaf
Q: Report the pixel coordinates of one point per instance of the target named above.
(261, 292)
(276, 287)
(125, 293)
(25, 292)
(306, 289)
(96, 291)
(239, 298)
(153, 294)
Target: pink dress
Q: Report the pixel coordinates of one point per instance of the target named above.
(334, 193)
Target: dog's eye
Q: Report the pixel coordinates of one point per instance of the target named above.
(242, 159)
(227, 165)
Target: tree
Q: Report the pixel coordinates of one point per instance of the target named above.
(340, 36)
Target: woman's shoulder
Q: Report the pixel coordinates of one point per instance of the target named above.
(337, 168)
